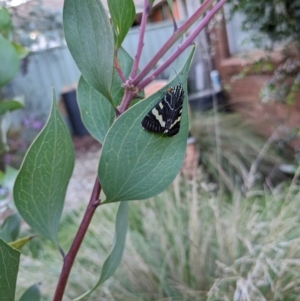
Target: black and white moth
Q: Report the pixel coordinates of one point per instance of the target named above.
(165, 116)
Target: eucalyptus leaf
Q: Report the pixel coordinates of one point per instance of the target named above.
(41, 184)
(96, 111)
(114, 258)
(90, 39)
(9, 61)
(9, 266)
(118, 9)
(136, 164)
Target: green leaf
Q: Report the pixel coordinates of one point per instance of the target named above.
(10, 228)
(21, 51)
(9, 105)
(9, 266)
(41, 184)
(9, 62)
(20, 243)
(32, 293)
(5, 22)
(114, 258)
(118, 10)
(96, 111)
(90, 39)
(136, 164)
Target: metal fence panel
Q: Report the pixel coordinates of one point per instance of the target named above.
(56, 68)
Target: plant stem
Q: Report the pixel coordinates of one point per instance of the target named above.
(142, 29)
(127, 98)
(172, 40)
(70, 257)
(118, 68)
(188, 41)
(138, 80)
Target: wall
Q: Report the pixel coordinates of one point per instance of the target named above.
(244, 93)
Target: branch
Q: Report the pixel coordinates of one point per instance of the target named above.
(142, 29)
(118, 68)
(128, 96)
(183, 46)
(70, 257)
(172, 40)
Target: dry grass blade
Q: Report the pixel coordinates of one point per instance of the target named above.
(187, 244)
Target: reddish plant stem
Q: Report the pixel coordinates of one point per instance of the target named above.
(171, 41)
(190, 40)
(142, 29)
(70, 257)
(118, 68)
(127, 98)
(137, 81)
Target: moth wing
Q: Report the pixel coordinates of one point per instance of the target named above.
(153, 121)
(165, 116)
(175, 101)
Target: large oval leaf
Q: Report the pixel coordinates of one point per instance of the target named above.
(9, 61)
(90, 39)
(9, 266)
(41, 184)
(118, 9)
(96, 111)
(136, 164)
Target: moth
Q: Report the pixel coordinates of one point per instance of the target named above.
(165, 116)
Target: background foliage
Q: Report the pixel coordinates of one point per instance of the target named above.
(187, 244)
(276, 22)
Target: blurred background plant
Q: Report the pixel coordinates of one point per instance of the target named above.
(20, 140)
(10, 53)
(186, 244)
(35, 25)
(234, 155)
(274, 25)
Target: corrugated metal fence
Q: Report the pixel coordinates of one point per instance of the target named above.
(55, 68)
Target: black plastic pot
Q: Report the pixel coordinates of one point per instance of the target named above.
(72, 108)
(203, 101)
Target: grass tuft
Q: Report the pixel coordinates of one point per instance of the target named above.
(186, 244)
(233, 154)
